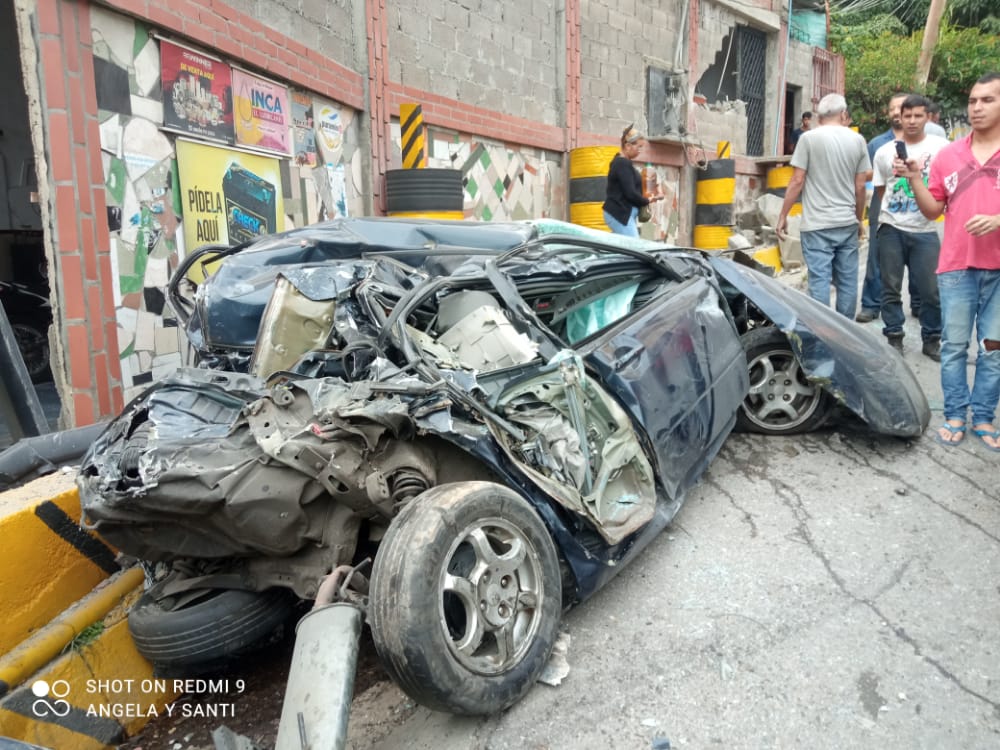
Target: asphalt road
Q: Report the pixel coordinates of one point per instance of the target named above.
(834, 590)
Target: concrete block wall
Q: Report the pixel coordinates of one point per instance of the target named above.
(617, 41)
(502, 56)
(331, 28)
(800, 73)
(723, 121)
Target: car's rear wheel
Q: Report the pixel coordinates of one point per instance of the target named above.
(206, 632)
(781, 400)
(466, 598)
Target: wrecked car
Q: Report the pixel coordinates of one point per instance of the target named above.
(500, 415)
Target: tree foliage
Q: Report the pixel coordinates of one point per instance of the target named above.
(881, 50)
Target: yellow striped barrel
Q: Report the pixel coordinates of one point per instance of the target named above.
(777, 181)
(713, 212)
(588, 184)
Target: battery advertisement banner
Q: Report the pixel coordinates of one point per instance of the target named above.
(263, 113)
(228, 196)
(197, 93)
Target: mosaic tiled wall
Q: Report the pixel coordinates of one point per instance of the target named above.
(500, 184)
(143, 192)
(142, 195)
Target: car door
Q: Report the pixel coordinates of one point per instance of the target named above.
(677, 366)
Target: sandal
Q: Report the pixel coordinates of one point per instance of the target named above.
(953, 430)
(990, 432)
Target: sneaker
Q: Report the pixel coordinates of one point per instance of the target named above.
(896, 342)
(866, 316)
(932, 349)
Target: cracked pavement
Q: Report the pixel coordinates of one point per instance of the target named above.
(836, 589)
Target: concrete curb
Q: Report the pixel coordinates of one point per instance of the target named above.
(70, 676)
(48, 561)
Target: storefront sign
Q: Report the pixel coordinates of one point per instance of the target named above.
(197, 93)
(263, 114)
(228, 196)
(304, 137)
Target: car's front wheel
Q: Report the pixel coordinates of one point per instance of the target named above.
(466, 598)
(781, 400)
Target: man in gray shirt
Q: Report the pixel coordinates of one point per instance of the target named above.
(830, 165)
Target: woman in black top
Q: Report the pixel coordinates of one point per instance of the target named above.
(624, 195)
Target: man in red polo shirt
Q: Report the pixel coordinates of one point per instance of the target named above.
(965, 184)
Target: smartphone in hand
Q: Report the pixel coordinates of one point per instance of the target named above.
(901, 150)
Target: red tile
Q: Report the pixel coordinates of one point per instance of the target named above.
(163, 16)
(77, 113)
(82, 164)
(107, 284)
(101, 217)
(94, 294)
(103, 386)
(59, 148)
(71, 34)
(211, 20)
(72, 300)
(66, 212)
(89, 253)
(117, 402)
(266, 49)
(89, 88)
(79, 356)
(135, 7)
(52, 66)
(111, 338)
(83, 409)
(48, 16)
(94, 139)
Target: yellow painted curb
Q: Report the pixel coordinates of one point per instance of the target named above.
(29, 656)
(48, 562)
(94, 695)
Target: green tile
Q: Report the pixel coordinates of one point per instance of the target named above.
(141, 38)
(116, 181)
(472, 188)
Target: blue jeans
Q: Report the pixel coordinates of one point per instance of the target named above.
(918, 251)
(871, 290)
(967, 297)
(631, 229)
(832, 255)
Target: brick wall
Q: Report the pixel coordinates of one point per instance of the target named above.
(71, 181)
